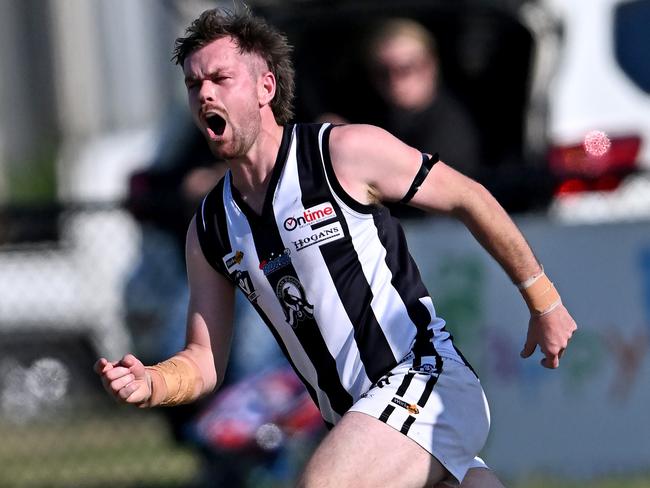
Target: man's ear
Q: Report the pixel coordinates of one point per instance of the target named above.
(266, 88)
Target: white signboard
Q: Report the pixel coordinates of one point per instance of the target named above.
(592, 415)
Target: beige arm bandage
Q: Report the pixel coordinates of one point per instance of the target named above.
(540, 294)
(173, 381)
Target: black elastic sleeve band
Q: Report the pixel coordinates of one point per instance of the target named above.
(427, 164)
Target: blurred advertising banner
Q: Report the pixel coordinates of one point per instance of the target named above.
(590, 416)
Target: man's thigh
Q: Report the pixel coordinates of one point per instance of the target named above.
(362, 451)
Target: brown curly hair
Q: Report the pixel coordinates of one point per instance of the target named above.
(252, 35)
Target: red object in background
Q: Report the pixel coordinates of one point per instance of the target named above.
(578, 171)
(231, 421)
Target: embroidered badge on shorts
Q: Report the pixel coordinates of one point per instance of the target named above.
(411, 407)
(425, 368)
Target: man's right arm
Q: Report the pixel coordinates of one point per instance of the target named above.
(210, 314)
(200, 367)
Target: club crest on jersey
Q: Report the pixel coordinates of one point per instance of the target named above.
(312, 215)
(293, 300)
(275, 262)
(327, 233)
(245, 284)
(233, 259)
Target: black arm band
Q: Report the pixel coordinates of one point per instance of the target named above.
(427, 164)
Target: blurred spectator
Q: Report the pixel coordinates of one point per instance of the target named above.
(409, 98)
(403, 63)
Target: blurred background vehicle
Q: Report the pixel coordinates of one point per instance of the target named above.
(602, 82)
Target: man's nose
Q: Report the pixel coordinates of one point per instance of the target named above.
(207, 92)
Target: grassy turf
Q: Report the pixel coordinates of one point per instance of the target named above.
(631, 482)
(127, 449)
(124, 450)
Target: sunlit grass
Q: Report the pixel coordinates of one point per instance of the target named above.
(124, 450)
(614, 482)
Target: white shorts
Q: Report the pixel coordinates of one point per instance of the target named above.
(441, 406)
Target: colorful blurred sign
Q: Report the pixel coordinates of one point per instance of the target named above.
(589, 417)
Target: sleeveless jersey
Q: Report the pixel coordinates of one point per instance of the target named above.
(331, 277)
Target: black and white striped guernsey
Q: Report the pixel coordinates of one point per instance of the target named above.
(332, 278)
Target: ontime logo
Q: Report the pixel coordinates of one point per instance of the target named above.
(310, 216)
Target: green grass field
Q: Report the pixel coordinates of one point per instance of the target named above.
(133, 449)
(637, 482)
(128, 450)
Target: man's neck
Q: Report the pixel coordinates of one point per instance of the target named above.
(251, 174)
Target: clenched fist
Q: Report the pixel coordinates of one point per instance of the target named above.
(126, 380)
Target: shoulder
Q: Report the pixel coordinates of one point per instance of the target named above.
(367, 146)
(358, 139)
(363, 156)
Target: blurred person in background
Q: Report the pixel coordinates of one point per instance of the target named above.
(410, 87)
(402, 64)
(404, 69)
(298, 225)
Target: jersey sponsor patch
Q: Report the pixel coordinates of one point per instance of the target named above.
(293, 300)
(328, 233)
(276, 262)
(313, 215)
(233, 259)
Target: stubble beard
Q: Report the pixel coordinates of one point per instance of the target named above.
(241, 140)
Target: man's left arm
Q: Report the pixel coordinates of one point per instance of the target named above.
(373, 165)
(448, 191)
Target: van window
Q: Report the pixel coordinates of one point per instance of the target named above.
(632, 41)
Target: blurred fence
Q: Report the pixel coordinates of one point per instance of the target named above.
(77, 282)
(62, 273)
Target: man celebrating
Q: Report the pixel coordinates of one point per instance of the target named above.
(339, 290)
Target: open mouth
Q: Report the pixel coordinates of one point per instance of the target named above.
(216, 123)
